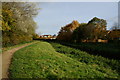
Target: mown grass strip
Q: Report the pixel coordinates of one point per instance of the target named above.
(40, 60)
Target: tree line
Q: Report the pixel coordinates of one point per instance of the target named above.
(93, 30)
(17, 22)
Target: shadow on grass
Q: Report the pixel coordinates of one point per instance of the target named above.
(52, 77)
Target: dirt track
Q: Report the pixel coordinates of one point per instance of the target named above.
(5, 60)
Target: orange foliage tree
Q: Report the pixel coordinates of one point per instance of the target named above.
(66, 32)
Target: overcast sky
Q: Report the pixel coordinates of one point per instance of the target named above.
(54, 15)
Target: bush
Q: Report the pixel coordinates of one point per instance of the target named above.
(14, 38)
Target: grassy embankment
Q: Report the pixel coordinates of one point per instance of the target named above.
(84, 57)
(40, 60)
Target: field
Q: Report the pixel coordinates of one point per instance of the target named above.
(53, 60)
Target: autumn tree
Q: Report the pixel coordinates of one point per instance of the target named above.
(94, 29)
(65, 33)
(17, 22)
(97, 28)
(80, 32)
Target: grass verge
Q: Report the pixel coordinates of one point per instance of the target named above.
(11, 47)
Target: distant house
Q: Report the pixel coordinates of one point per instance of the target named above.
(114, 34)
(103, 41)
(47, 37)
(99, 40)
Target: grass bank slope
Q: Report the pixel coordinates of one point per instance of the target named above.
(40, 60)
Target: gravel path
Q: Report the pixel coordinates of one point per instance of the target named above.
(5, 60)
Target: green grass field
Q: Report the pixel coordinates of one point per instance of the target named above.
(40, 60)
